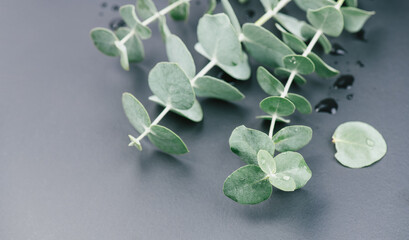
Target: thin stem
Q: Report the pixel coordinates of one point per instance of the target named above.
(339, 4)
(272, 12)
(202, 72)
(273, 122)
(311, 45)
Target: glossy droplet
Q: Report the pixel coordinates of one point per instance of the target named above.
(117, 23)
(338, 50)
(328, 105)
(286, 178)
(361, 35)
(350, 96)
(369, 142)
(115, 8)
(250, 13)
(344, 82)
(361, 64)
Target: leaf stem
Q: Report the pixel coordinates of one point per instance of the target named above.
(339, 4)
(155, 122)
(271, 12)
(204, 70)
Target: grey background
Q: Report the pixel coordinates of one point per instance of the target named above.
(66, 171)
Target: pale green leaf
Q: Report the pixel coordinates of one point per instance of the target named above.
(300, 102)
(277, 106)
(212, 6)
(135, 143)
(294, 42)
(321, 68)
(268, 82)
(145, 8)
(292, 24)
(247, 185)
(313, 4)
(127, 12)
(171, 85)
(104, 40)
(246, 143)
(123, 55)
(207, 86)
(134, 46)
(166, 140)
(163, 28)
(292, 138)
(194, 113)
(354, 18)
(135, 112)
(352, 3)
(285, 73)
(358, 144)
(177, 52)
(328, 19)
(298, 63)
(266, 162)
(308, 32)
(181, 12)
(232, 16)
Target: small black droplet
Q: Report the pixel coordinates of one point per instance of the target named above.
(104, 5)
(361, 64)
(328, 105)
(115, 8)
(350, 96)
(250, 13)
(226, 77)
(344, 82)
(360, 35)
(117, 23)
(337, 50)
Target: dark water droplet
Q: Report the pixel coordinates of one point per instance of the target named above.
(115, 8)
(361, 64)
(344, 81)
(360, 35)
(226, 77)
(250, 13)
(117, 23)
(328, 105)
(350, 96)
(337, 50)
(104, 5)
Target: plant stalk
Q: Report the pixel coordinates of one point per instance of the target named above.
(204, 70)
(272, 12)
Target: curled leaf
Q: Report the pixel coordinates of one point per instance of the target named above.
(181, 12)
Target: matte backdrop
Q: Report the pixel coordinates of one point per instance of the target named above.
(66, 171)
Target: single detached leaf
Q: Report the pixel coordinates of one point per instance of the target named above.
(123, 55)
(291, 167)
(194, 113)
(309, 31)
(277, 105)
(170, 83)
(135, 112)
(232, 16)
(247, 185)
(177, 52)
(285, 73)
(268, 82)
(269, 4)
(104, 39)
(134, 46)
(352, 3)
(321, 68)
(294, 42)
(166, 140)
(266, 162)
(292, 138)
(246, 143)
(354, 18)
(212, 6)
(299, 64)
(127, 12)
(328, 19)
(145, 8)
(181, 12)
(219, 39)
(207, 86)
(300, 102)
(264, 46)
(313, 4)
(358, 144)
(269, 117)
(163, 28)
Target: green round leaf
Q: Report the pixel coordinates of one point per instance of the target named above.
(194, 113)
(285, 73)
(292, 171)
(127, 12)
(268, 82)
(134, 46)
(104, 39)
(207, 86)
(294, 42)
(321, 68)
(181, 12)
(266, 162)
(277, 105)
(354, 18)
(300, 102)
(177, 52)
(292, 138)
(166, 140)
(170, 83)
(291, 24)
(145, 8)
(246, 143)
(313, 4)
(328, 19)
(135, 112)
(247, 185)
(358, 144)
(299, 63)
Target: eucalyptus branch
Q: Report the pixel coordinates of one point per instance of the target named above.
(271, 12)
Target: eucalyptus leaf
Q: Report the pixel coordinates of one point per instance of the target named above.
(264, 46)
(269, 117)
(166, 140)
(308, 32)
(232, 16)
(135, 112)
(163, 28)
(292, 24)
(212, 6)
(123, 55)
(134, 45)
(104, 40)
(246, 143)
(294, 42)
(358, 144)
(354, 18)
(171, 85)
(269, 4)
(285, 73)
(135, 143)
(177, 52)
(292, 138)
(277, 106)
(145, 8)
(321, 68)
(269, 83)
(127, 12)
(207, 86)
(181, 12)
(313, 4)
(299, 64)
(195, 113)
(327, 19)
(291, 166)
(300, 102)
(266, 162)
(352, 3)
(247, 185)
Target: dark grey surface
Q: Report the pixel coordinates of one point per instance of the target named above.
(66, 171)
